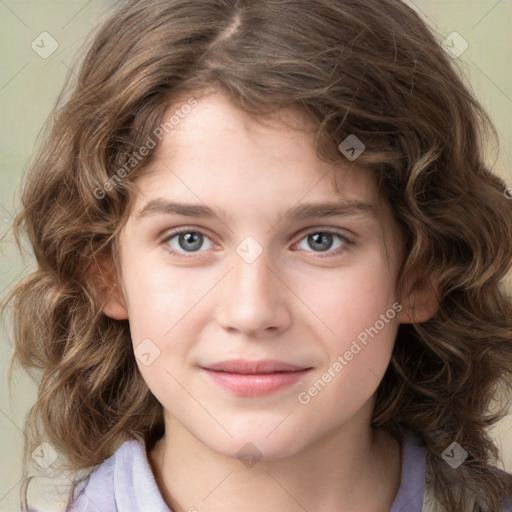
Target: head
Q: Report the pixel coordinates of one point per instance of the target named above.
(257, 280)
(246, 108)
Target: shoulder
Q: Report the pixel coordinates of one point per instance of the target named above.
(97, 490)
(412, 483)
(507, 506)
(415, 488)
(124, 483)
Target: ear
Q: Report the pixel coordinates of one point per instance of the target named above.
(103, 277)
(419, 299)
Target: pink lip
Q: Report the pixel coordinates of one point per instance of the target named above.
(254, 378)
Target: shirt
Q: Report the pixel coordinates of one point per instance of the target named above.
(125, 483)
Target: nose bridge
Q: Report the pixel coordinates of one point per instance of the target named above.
(253, 283)
(253, 299)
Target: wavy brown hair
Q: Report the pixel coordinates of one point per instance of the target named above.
(370, 68)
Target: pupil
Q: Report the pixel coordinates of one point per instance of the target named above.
(323, 241)
(193, 241)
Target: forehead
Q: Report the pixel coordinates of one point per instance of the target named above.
(222, 151)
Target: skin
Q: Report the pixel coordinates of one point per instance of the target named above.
(293, 303)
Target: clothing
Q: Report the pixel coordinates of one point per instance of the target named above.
(125, 483)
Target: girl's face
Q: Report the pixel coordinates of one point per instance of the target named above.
(245, 253)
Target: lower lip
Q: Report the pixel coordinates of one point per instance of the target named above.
(257, 384)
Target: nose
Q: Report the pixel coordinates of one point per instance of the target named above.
(254, 301)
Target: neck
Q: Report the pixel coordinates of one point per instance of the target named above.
(345, 472)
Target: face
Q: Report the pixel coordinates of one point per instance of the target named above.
(259, 282)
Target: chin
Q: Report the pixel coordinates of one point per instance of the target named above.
(257, 445)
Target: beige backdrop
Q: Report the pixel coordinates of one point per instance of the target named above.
(32, 73)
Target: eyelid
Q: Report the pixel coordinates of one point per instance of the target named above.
(325, 229)
(184, 229)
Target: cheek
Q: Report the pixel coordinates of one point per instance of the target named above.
(351, 299)
(160, 309)
(359, 307)
(159, 297)
(164, 308)
(358, 357)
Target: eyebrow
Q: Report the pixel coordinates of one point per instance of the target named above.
(340, 208)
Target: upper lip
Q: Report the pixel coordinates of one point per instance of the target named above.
(247, 367)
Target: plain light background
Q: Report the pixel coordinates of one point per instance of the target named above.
(29, 85)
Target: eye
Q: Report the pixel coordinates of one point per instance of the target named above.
(187, 241)
(323, 241)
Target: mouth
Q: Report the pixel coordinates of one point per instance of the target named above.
(254, 378)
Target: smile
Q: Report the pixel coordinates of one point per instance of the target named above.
(254, 378)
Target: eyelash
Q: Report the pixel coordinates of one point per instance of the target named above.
(331, 253)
